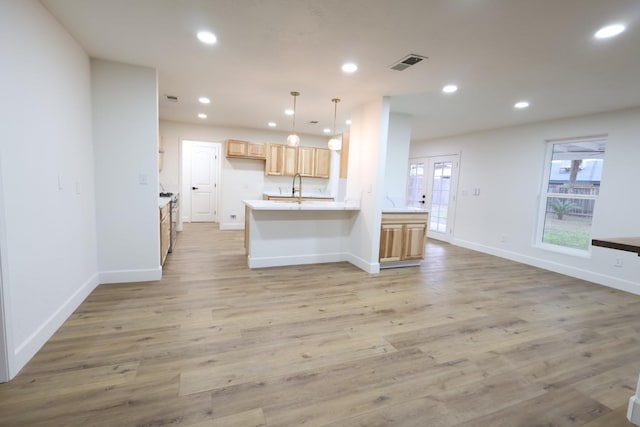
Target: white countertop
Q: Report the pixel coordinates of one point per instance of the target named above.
(404, 209)
(273, 205)
(162, 201)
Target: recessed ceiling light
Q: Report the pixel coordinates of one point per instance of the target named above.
(272, 124)
(520, 105)
(288, 112)
(349, 67)
(348, 121)
(204, 100)
(207, 37)
(609, 31)
(202, 115)
(450, 89)
(326, 130)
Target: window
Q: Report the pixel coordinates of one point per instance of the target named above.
(571, 188)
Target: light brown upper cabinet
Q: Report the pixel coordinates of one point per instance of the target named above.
(311, 162)
(322, 163)
(344, 156)
(290, 161)
(306, 161)
(245, 149)
(282, 160)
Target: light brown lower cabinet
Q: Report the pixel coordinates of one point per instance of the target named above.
(402, 236)
(165, 231)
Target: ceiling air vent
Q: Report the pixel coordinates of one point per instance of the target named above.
(407, 62)
(171, 98)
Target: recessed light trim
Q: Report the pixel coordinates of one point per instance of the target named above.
(288, 112)
(348, 121)
(207, 37)
(521, 104)
(450, 89)
(609, 31)
(349, 67)
(204, 100)
(202, 116)
(272, 124)
(326, 130)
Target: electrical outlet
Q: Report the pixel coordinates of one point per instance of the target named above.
(233, 216)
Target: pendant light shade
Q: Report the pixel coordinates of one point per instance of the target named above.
(293, 140)
(335, 143)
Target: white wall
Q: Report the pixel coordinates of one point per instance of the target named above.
(125, 135)
(48, 239)
(507, 165)
(397, 163)
(365, 182)
(241, 179)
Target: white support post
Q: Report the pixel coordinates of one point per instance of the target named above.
(633, 412)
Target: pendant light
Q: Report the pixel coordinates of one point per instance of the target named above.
(335, 143)
(293, 140)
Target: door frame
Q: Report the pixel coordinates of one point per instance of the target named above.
(185, 178)
(453, 197)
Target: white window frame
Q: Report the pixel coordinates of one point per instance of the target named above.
(544, 195)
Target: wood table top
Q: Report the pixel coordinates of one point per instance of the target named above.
(629, 244)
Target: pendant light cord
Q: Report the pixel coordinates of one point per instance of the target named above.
(335, 113)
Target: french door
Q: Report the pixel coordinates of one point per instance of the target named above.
(432, 185)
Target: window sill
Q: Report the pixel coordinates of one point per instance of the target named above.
(565, 251)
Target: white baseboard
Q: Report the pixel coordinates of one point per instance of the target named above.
(578, 273)
(263, 262)
(231, 226)
(633, 411)
(27, 349)
(124, 276)
(369, 267)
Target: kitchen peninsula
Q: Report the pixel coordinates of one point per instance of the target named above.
(279, 233)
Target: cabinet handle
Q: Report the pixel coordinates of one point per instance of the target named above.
(194, 188)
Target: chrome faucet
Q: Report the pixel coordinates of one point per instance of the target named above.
(299, 189)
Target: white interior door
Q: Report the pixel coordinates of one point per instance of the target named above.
(433, 185)
(200, 175)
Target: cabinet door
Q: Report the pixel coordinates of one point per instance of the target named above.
(391, 242)
(290, 160)
(413, 241)
(236, 148)
(322, 163)
(306, 159)
(256, 151)
(165, 233)
(275, 160)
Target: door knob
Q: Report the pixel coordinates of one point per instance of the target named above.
(194, 188)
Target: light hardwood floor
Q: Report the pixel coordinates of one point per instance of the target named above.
(465, 339)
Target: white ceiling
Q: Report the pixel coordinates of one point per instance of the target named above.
(496, 51)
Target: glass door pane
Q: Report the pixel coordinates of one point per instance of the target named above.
(416, 193)
(441, 188)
